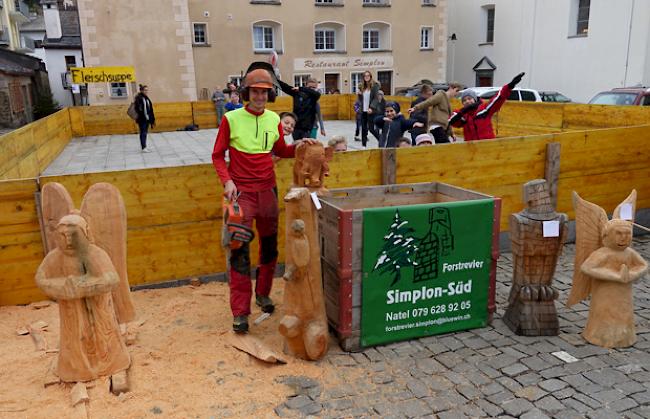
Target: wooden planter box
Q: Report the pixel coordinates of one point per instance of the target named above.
(341, 228)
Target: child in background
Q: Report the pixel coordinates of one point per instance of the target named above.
(288, 121)
(338, 143)
(403, 142)
(234, 102)
(423, 139)
(394, 125)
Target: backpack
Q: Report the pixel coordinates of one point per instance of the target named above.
(131, 111)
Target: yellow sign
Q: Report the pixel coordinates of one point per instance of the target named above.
(102, 74)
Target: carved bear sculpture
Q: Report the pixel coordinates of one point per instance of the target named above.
(311, 165)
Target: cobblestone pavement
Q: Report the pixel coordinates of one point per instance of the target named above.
(491, 372)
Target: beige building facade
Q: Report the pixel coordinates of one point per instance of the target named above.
(183, 49)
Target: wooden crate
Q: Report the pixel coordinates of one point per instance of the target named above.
(341, 240)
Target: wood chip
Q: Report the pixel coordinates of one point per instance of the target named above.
(255, 347)
(40, 304)
(22, 331)
(37, 337)
(119, 383)
(40, 325)
(196, 282)
(78, 394)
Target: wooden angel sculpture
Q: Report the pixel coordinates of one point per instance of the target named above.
(80, 276)
(605, 268)
(531, 304)
(304, 324)
(311, 166)
(103, 209)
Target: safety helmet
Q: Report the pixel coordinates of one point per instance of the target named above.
(258, 78)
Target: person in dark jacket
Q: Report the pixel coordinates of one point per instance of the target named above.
(146, 117)
(475, 117)
(426, 92)
(395, 125)
(305, 99)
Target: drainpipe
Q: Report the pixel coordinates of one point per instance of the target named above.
(629, 37)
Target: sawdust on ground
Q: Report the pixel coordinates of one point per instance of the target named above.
(181, 363)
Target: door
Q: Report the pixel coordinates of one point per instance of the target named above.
(385, 78)
(331, 83)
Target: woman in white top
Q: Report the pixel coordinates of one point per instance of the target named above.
(367, 93)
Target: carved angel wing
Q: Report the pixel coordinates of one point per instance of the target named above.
(55, 203)
(103, 209)
(631, 200)
(590, 219)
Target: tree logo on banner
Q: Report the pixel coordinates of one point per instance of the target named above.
(399, 249)
(402, 249)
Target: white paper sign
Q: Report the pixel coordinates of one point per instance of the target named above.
(564, 356)
(76, 88)
(314, 198)
(626, 212)
(551, 228)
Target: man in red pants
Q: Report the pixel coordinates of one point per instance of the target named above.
(250, 135)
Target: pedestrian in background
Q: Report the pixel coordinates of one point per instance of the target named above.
(318, 123)
(305, 99)
(146, 117)
(357, 117)
(438, 110)
(219, 100)
(367, 95)
(338, 143)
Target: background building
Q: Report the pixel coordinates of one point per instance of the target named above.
(578, 47)
(182, 49)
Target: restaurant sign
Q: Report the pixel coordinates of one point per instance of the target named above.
(342, 63)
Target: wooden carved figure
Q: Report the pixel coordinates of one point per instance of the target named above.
(103, 209)
(80, 276)
(531, 304)
(304, 324)
(605, 268)
(311, 166)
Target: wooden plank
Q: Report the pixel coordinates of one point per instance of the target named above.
(204, 114)
(77, 121)
(388, 166)
(552, 169)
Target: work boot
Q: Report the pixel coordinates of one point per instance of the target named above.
(265, 303)
(240, 324)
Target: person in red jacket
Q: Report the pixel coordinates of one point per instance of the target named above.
(476, 116)
(251, 135)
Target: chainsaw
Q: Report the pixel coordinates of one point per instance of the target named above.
(234, 234)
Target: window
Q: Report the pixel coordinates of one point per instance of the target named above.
(300, 79)
(645, 101)
(355, 81)
(235, 79)
(489, 35)
(429, 2)
(527, 96)
(200, 33)
(371, 39)
(118, 90)
(426, 37)
(324, 39)
(582, 24)
(262, 38)
(325, 2)
(376, 2)
(70, 61)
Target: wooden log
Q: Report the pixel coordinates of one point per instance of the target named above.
(552, 170)
(37, 337)
(305, 323)
(388, 166)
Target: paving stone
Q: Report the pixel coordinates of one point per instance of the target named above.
(607, 396)
(516, 407)
(590, 389)
(382, 379)
(457, 378)
(437, 348)
(606, 377)
(477, 378)
(528, 378)
(492, 388)
(339, 404)
(552, 385)
(623, 404)
(476, 343)
(440, 403)
(589, 401)
(576, 405)
(400, 396)
(455, 414)
(534, 414)
(500, 398)
(450, 359)
(488, 371)
(549, 404)
(501, 361)
(531, 393)
(630, 387)
(429, 366)
(414, 408)
(642, 398)
(509, 383)
(490, 409)
(298, 402)
(452, 343)
(576, 380)
(469, 392)
(603, 414)
(564, 393)
(418, 388)
(438, 383)
(373, 355)
(472, 410)
(534, 363)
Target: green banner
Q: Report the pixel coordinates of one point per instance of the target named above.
(426, 269)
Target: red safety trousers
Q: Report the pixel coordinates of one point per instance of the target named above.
(263, 208)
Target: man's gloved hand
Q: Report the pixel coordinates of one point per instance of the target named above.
(515, 81)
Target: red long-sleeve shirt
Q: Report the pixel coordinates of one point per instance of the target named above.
(250, 172)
